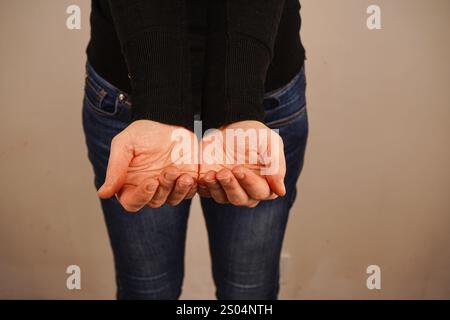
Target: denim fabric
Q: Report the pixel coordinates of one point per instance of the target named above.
(245, 243)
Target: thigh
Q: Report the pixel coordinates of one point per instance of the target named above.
(245, 243)
(148, 246)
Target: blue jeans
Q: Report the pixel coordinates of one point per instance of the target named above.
(245, 243)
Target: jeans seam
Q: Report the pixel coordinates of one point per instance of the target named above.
(288, 119)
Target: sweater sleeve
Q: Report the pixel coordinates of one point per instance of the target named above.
(240, 45)
(154, 42)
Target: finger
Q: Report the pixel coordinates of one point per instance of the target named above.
(235, 194)
(256, 186)
(252, 203)
(276, 184)
(180, 190)
(214, 187)
(134, 198)
(276, 180)
(167, 180)
(192, 192)
(272, 196)
(203, 190)
(119, 159)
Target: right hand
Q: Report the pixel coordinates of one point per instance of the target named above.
(141, 170)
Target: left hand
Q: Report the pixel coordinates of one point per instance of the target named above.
(243, 183)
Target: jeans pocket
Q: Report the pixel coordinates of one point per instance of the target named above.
(98, 99)
(287, 104)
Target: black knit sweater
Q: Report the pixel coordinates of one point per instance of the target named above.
(215, 58)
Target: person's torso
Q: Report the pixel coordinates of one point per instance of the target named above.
(104, 52)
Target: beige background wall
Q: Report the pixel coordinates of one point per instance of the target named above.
(375, 187)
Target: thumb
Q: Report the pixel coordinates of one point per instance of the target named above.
(277, 167)
(276, 183)
(116, 173)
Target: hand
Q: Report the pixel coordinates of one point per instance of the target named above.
(227, 178)
(141, 169)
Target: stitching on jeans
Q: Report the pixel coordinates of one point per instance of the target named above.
(98, 90)
(285, 104)
(289, 119)
(99, 111)
(156, 277)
